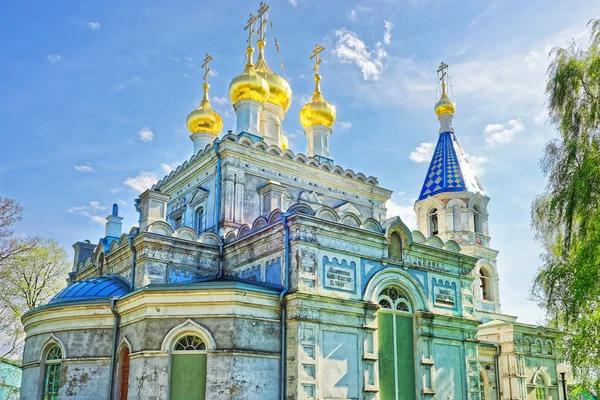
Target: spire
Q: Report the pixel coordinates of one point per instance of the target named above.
(449, 171)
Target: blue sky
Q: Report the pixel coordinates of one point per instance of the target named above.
(94, 96)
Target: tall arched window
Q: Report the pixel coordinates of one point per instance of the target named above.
(395, 250)
(537, 347)
(396, 348)
(526, 346)
(199, 220)
(483, 385)
(52, 366)
(433, 222)
(540, 388)
(549, 349)
(124, 373)
(188, 368)
(477, 219)
(485, 285)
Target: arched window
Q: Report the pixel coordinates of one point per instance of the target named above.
(52, 366)
(549, 349)
(540, 388)
(486, 289)
(433, 222)
(456, 218)
(199, 220)
(188, 368)
(124, 374)
(392, 298)
(395, 250)
(396, 347)
(477, 219)
(537, 347)
(483, 385)
(526, 346)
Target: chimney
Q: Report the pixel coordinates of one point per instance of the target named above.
(114, 223)
(83, 250)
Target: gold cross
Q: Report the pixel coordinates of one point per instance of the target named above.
(443, 67)
(262, 13)
(207, 60)
(250, 28)
(315, 54)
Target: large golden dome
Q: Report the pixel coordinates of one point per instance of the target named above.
(280, 92)
(445, 105)
(317, 111)
(248, 85)
(204, 118)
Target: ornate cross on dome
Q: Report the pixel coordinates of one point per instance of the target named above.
(262, 13)
(315, 54)
(207, 60)
(443, 67)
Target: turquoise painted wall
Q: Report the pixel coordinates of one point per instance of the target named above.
(450, 380)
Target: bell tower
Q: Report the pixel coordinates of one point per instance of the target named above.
(453, 206)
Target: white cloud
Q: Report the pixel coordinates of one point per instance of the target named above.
(293, 2)
(501, 134)
(387, 33)
(168, 167)
(213, 72)
(120, 86)
(349, 49)
(84, 168)
(477, 163)
(403, 208)
(146, 135)
(354, 12)
(345, 124)
(54, 58)
(94, 25)
(141, 182)
(187, 76)
(422, 153)
(116, 190)
(90, 211)
(220, 99)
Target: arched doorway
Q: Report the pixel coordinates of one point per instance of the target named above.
(124, 374)
(396, 346)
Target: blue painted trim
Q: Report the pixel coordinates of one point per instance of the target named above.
(343, 264)
(324, 159)
(251, 136)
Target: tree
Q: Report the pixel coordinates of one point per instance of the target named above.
(566, 217)
(32, 270)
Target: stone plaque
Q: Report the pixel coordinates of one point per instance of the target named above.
(340, 277)
(444, 296)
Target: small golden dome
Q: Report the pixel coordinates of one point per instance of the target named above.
(280, 92)
(317, 111)
(445, 105)
(248, 85)
(284, 142)
(204, 118)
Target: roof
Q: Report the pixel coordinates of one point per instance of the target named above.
(93, 288)
(449, 171)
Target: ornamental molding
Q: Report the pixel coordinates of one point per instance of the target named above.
(311, 314)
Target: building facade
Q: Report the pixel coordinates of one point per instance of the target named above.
(10, 379)
(261, 273)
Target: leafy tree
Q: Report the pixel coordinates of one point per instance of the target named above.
(32, 270)
(566, 217)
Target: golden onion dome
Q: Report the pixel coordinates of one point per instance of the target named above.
(280, 92)
(204, 118)
(317, 111)
(285, 144)
(248, 85)
(445, 105)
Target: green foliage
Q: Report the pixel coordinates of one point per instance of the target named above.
(566, 217)
(32, 270)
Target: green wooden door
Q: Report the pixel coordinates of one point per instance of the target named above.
(406, 357)
(396, 356)
(188, 376)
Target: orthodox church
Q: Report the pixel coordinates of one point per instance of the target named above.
(257, 272)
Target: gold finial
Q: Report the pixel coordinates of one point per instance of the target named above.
(443, 67)
(317, 111)
(204, 118)
(315, 55)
